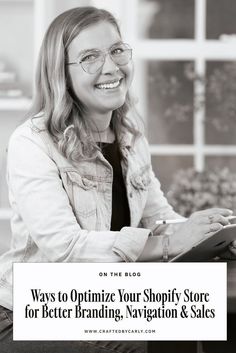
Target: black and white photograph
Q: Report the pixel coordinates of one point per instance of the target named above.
(117, 145)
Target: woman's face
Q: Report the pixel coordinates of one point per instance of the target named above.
(105, 90)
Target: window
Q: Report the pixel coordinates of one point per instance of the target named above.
(185, 58)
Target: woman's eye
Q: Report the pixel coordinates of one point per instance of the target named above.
(117, 51)
(90, 57)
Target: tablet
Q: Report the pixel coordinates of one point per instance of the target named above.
(209, 247)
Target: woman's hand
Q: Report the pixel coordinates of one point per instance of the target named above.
(232, 251)
(203, 223)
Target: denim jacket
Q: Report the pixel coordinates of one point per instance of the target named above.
(62, 211)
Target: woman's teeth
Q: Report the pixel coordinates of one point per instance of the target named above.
(108, 85)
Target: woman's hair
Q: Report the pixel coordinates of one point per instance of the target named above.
(54, 96)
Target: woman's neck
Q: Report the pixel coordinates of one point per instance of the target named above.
(100, 127)
(106, 136)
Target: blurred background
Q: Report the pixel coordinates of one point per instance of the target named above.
(185, 85)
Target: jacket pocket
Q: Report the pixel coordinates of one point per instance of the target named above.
(82, 193)
(82, 182)
(141, 180)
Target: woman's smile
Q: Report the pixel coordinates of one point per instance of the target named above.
(109, 85)
(106, 89)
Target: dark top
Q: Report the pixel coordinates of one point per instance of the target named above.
(120, 207)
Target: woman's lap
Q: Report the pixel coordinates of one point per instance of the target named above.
(7, 345)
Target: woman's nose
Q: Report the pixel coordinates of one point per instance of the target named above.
(109, 65)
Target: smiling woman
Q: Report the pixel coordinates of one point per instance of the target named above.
(81, 184)
(104, 69)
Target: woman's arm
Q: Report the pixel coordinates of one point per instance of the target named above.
(175, 238)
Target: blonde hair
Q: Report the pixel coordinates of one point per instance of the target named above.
(54, 96)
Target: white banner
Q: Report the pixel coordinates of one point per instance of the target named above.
(120, 301)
